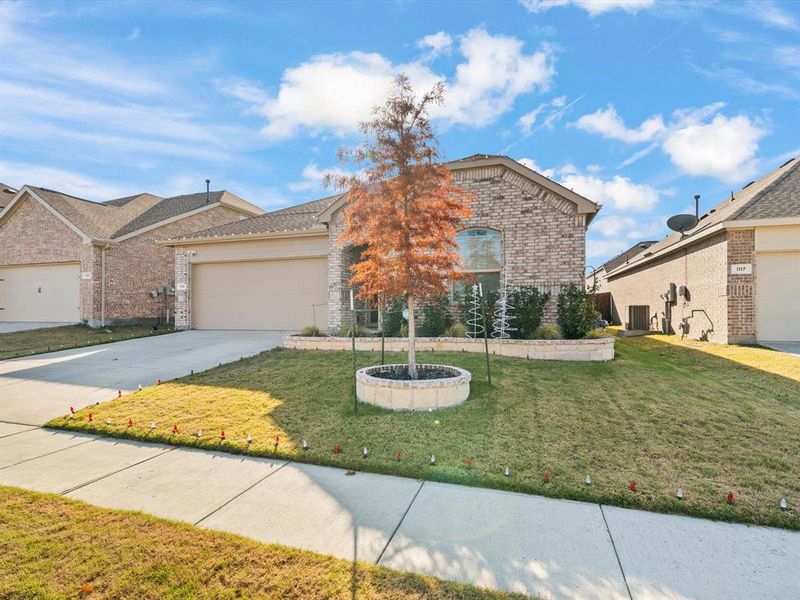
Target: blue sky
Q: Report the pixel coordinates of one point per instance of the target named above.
(638, 105)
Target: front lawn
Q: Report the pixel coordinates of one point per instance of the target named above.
(36, 341)
(59, 548)
(664, 414)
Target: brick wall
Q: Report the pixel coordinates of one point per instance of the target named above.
(140, 264)
(543, 237)
(702, 269)
(741, 288)
(32, 234)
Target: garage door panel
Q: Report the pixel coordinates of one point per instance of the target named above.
(41, 293)
(778, 296)
(275, 294)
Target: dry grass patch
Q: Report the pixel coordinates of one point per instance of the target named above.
(54, 547)
(663, 415)
(37, 341)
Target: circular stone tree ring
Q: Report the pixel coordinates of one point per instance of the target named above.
(438, 386)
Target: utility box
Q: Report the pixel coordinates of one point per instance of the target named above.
(672, 294)
(638, 318)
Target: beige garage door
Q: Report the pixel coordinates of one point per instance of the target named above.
(46, 293)
(778, 297)
(274, 294)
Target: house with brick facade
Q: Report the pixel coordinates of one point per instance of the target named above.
(288, 269)
(65, 259)
(733, 278)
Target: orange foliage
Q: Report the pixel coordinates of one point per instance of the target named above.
(404, 208)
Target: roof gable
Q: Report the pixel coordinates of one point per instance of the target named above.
(111, 220)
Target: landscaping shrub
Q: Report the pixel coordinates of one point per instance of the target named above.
(527, 304)
(457, 330)
(436, 316)
(347, 331)
(393, 317)
(311, 331)
(576, 313)
(548, 331)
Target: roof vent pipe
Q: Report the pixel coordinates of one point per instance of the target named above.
(208, 191)
(697, 205)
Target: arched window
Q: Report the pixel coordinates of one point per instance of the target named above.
(482, 256)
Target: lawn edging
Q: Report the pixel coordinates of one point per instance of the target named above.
(599, 349)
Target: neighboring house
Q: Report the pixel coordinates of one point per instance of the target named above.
(288, 269)
(66, 259)
(599, 278)
(597, 281)
(6, 195)
(734, 278)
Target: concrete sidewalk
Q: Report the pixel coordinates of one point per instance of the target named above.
(539, 546)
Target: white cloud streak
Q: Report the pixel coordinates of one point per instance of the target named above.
(593, 7)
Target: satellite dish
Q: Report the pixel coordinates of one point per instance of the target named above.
(682, 223)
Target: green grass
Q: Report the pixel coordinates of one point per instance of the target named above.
(37, 341)
(52, 547)
(663, 413)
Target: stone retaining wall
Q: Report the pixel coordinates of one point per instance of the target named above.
(601, 349)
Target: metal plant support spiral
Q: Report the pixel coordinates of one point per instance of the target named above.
(475, 326)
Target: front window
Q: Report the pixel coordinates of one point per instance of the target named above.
(481, 255)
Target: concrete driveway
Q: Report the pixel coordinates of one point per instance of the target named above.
(788, 347)
(12, 327)
(35, 389)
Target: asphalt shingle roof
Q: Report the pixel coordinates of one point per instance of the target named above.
(6, 194)
(293, 218)
(623, 257)
(114, 218)
(775, 195)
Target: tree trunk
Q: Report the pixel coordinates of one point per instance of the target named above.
(412, 356)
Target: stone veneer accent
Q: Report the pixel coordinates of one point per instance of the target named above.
(543, 236)
(413, 395)
(601, 349)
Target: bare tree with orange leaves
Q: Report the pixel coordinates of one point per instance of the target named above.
(403, 207)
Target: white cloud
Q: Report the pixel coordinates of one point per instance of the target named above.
(724, 148)
(619, 192)
(436, 43)
(627, 228)
(603, 248)
(531, 164)
(19, 174)
(313, 176)
(556, 109)
(334, 92)
(528, 121)
(135, 34)
(614, 225)
(607, 123)
(699, 141)
(593, 7)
